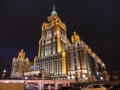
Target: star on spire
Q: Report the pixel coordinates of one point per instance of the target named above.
(53, 11)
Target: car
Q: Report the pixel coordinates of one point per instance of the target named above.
(108, 86)
(94, 87)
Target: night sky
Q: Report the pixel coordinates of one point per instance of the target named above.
(96, 21)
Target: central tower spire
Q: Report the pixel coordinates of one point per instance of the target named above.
(53, 11)
(52, 56)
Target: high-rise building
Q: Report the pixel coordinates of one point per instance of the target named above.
(51, 54)
(60, 58)
(20, 65)
(64, 59)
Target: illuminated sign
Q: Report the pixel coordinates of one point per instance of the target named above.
(34, 67)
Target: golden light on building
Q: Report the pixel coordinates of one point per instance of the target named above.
(60, 58)
(21, 54)
(64, 63)
(20, 65)
(75, 37)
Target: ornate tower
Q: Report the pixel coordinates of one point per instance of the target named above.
(60, 58)
(20, 65)
(51, 54)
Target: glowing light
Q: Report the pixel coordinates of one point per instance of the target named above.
(7, 81)
(21, 81)
(3, 74)
(68, 77)
(72, 76)
(4, 71)
(26, 78)
(97, 73)
(101, 78)
(84, 76)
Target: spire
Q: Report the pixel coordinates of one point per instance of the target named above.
(21, 54)
(53, 11)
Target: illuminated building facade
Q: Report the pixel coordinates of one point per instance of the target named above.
(82, 63)
(51, 54)
(58, 57)
(61, 58)
(20, 65)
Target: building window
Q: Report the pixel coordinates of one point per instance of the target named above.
(48, 50)
(73, 47)
(74, 54)
(75, 60)
(49, 34)
(75, 67)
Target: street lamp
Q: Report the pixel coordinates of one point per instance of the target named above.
(4, 73)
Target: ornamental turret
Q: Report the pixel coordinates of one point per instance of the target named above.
(75, 37)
